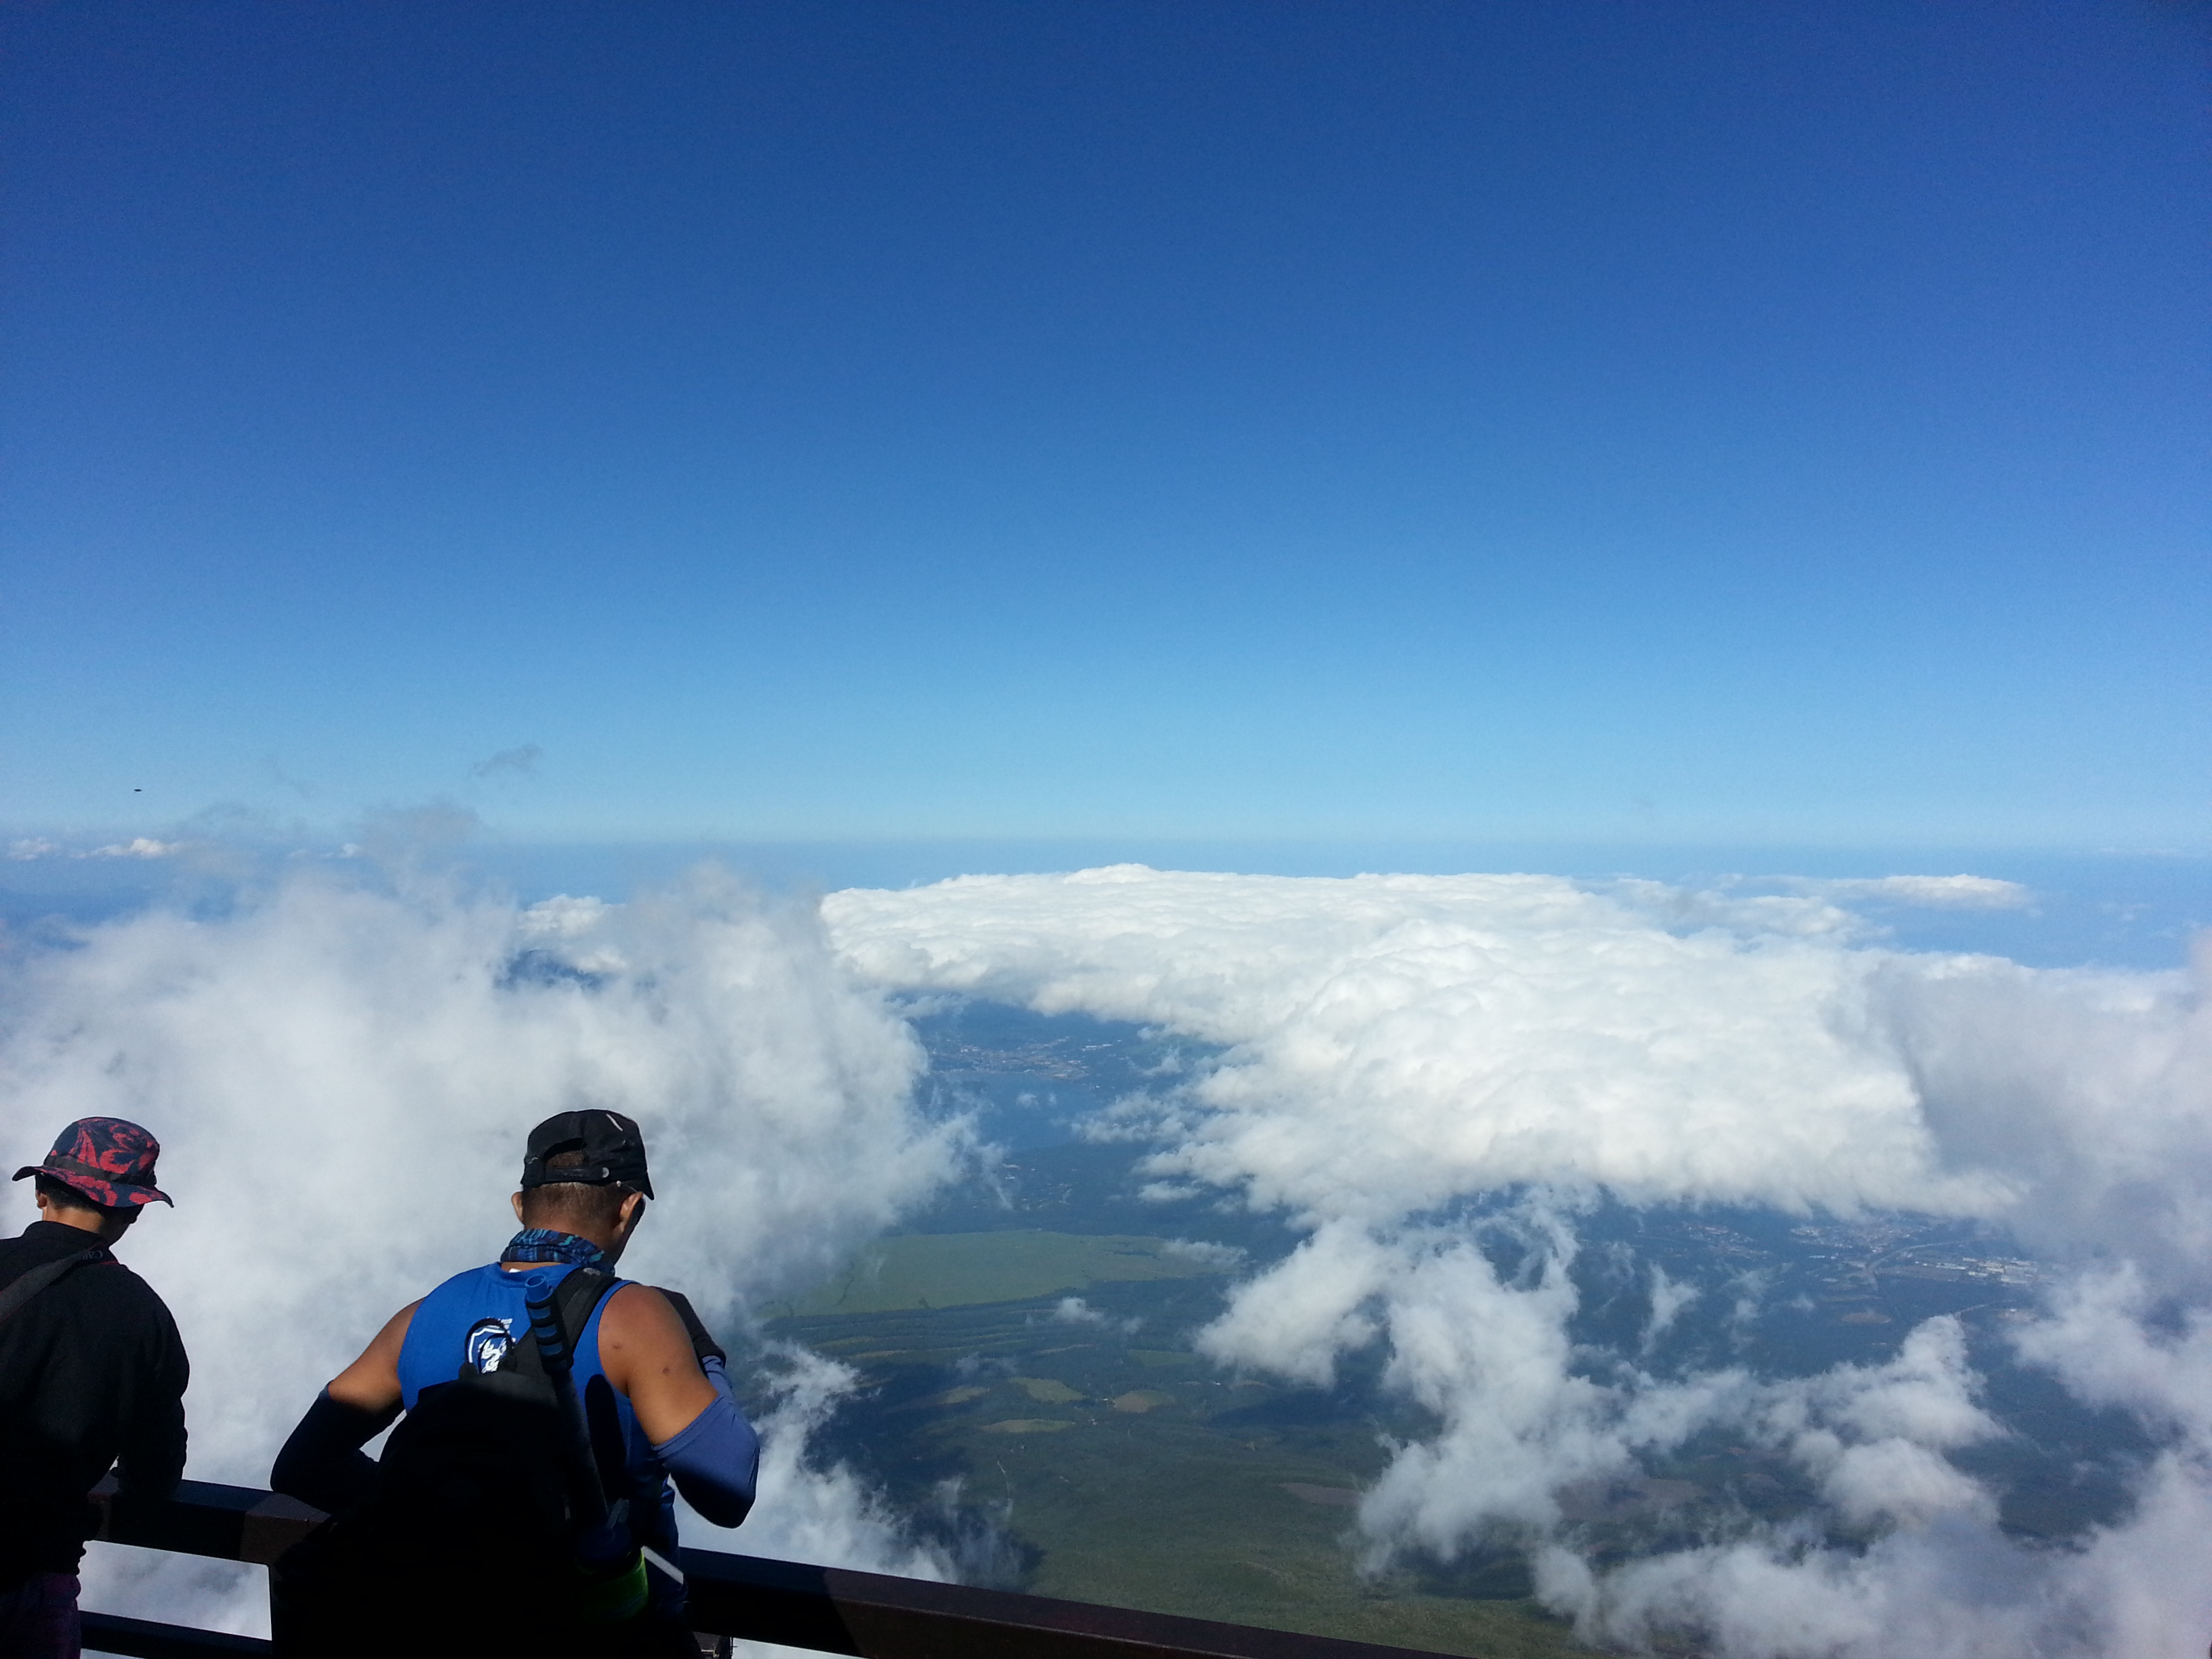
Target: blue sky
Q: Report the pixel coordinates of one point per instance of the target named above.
(1666, 423)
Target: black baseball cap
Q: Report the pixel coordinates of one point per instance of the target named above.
(613, 1150)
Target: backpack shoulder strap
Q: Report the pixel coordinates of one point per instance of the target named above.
(575, 1298)
(26, 1285)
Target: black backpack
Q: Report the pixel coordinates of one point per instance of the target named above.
(468, 1533)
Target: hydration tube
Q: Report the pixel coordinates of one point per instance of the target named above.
(611, 1572)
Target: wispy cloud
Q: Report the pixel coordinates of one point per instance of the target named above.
(1074, 1310)
(139, 847)
(513, 762)
(1925, 892)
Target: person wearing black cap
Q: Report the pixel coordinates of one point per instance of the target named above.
(654, 1381)
(91, 1370)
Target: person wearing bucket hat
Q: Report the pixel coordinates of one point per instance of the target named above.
(92, 1375)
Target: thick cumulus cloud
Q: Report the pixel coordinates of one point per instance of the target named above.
(1395, 1046)
(1480, 1031)
(341, 1076)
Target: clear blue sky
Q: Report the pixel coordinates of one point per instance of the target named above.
(1627, 420)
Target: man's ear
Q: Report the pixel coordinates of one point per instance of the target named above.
(516, 1200)
(632, 1209)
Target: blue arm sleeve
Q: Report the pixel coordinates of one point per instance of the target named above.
(715, 1457)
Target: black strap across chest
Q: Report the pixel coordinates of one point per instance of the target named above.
(29, 1284)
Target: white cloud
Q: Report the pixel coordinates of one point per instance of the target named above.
(342, 1077)
(1481, 1031)
(1215, 1258)
(1872, 1435)
(1297, 1318)
(1929, 892)
(135, 848)
(1895, 1482)
(1395, 1045)
(138, 847)
(562, 917)
(810, 1511)
(1669, 1300)
(1074, 1310)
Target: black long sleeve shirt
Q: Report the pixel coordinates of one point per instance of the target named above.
(91, 1370)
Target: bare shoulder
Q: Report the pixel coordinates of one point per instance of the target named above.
(637, 1316)
(646, 1354)
(394, 1333)
(372, 1381)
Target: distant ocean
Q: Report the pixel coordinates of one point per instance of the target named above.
(2120, 908)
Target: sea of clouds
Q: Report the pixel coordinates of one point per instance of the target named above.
(1397, 1045)
(341, 1068)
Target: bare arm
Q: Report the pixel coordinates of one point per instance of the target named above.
(371, 1383)
(646, 1354)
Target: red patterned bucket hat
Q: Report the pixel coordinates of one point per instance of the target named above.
(109, 1159)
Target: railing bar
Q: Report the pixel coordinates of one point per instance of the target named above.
(829, 1610)
(143, 1638)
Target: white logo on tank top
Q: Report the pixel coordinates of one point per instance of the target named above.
(488, 1341)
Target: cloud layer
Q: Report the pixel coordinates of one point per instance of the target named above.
(1397, 1046)
(341, 1073)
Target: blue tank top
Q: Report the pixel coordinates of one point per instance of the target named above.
(471, 1319)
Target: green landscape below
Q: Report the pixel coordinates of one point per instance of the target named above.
(1119, 1466)
(959, 1270)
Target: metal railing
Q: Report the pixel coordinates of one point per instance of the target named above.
(828, 1609)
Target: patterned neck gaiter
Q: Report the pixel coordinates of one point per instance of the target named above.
(545, 1244)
